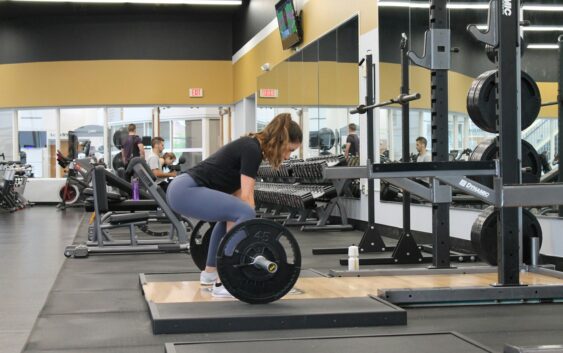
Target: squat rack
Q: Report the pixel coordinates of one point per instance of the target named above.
(507, 195)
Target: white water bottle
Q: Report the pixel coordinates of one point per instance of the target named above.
(353, 258)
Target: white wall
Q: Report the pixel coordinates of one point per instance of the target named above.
(188, 112)
(72, 119)
(244, 117)
(43, 190)
(6, 142)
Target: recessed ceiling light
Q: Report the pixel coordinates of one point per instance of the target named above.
(426, 5)
(467, 5)
(543, 46)
(163, 2)
(539, 7)
(543, 28)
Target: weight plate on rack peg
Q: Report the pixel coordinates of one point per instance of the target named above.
(484, 235)
(481, 101)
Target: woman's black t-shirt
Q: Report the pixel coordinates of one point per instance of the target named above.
(222, 170)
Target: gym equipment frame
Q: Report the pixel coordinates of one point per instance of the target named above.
(508, 195)
(177, 241)
(407, 251)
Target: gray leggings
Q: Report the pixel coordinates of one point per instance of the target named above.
(189, 199)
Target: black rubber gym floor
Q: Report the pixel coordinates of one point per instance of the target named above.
(420, 343)
(30, 258)
(96, 305)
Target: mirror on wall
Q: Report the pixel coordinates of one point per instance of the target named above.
(317, 85)
(539, 60)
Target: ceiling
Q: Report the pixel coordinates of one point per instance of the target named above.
(17, 10)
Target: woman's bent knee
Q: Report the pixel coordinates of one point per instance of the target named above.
(246, 213)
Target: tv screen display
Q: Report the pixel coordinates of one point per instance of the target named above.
(288, 24)
(146, 140)
(314, 139)
(32, 139)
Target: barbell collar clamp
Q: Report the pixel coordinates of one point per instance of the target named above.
(265, 264)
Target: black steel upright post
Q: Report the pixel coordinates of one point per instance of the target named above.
(370, 99)
(406, 251)
(439, 110)
(406, 129)
(371, 240)
(509, 114)
(560, 106)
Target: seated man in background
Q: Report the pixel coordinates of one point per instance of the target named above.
(153, 160)
(167, 160)
(423, 154)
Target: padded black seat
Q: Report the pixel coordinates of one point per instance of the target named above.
(124, 206)
(128, 218)
(112, 196)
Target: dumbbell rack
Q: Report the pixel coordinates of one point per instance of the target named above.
(13, 177)
(297, 186)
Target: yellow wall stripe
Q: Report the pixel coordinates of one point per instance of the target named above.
(319, 17)
(310, 84)
(548, 92)
(114, 82)
(458, 86)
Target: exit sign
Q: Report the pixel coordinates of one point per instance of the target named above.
(196, 92)
(268, 93)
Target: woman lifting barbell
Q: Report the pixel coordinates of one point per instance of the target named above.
(221, 188)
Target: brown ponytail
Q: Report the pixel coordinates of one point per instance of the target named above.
(276, 137)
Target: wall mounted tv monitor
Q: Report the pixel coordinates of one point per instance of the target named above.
(288, 24)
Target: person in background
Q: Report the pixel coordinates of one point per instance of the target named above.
(546, 168)
(352, 142)
(423, 154)
(167, 160)
(132, 146)
(153, 160)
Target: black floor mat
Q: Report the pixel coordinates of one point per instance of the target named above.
(96, 305)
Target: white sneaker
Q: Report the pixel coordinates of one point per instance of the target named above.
(219, 291)
(208, 278)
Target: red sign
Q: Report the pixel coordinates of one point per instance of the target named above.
(196, 92)
(268, 93)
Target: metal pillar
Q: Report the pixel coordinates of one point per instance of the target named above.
(406, 129)
(508, 103)
(406, 250)
(57, 142)
(439, 88)
(371, 240)
(560, 105)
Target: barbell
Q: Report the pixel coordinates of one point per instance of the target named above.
(258, 261)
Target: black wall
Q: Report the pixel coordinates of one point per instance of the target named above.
(251, 19)
(114, 33)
